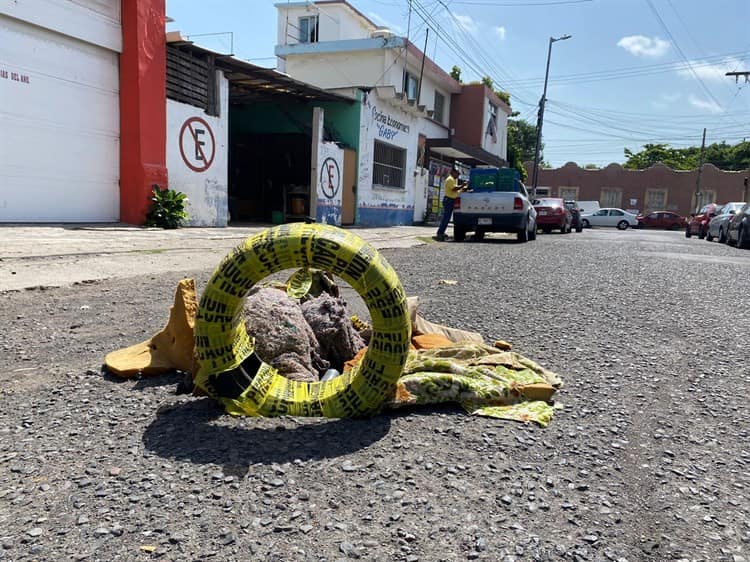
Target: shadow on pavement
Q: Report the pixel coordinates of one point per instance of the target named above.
(193, 431)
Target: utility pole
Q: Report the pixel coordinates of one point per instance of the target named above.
(737, 75)
(540, 118)
(700, 171)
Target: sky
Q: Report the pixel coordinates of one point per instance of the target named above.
(633, 72)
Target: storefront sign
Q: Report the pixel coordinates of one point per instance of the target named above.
(388, 127)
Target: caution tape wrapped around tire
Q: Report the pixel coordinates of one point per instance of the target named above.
(230, 371)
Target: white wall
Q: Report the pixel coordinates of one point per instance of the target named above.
(387, 205)
(335, 22)
(394, 77)
(337, 70)
(207, 190)
(330, 181)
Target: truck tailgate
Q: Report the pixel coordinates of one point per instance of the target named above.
(487, 203)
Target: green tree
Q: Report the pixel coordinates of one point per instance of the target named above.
(521, 144)
(456, 73)
(721, 154)
(591, 167)
(675, 158)
(505, 96)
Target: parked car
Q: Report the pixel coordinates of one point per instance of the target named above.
(739, 228)
(609, 217)
(717, 226)
(497, 201)
(698, 223)
(662, 219)
(575, 211)
(552, 213)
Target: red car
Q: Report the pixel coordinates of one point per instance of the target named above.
(662, 219)
(698, 223)
(551, 212)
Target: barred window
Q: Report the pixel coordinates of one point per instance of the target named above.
(656, 199)
(569, 193)
(439, 107)
(611, 197)
(388, 165)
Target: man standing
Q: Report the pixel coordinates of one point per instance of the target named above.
(452, 189)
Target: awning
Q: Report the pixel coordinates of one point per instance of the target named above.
(249, 83)
(471, 155)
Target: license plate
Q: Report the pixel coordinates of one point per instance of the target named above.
(484, 221)
(542, 213)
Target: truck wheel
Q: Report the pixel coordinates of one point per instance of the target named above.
(459, 233)
(523, 233)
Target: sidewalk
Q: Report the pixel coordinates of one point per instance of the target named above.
(60, 255)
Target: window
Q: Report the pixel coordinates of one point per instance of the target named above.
(569, 193)
(439, 107)
(656, 199)
(492, 122)
(388, 165)
(308, 29)
(616, 213)
(611, 197)
(411, 85)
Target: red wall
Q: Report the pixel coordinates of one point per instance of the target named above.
(143, 106)
(467, 114)
(680, 185)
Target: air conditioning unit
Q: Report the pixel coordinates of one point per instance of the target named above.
(383, 32)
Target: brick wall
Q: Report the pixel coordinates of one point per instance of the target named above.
(659, 183)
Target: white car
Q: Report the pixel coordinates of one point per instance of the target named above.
(609, 217)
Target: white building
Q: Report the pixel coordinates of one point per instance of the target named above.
(330, 44)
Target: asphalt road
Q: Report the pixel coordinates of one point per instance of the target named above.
(648, 458)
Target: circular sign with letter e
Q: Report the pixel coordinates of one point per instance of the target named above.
(197, 145)
(330, 178)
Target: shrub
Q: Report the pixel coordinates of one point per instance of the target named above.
(167, 208)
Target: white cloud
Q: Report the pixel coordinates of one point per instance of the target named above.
(665, 100)
(466, 22)
(710, 71)
(708, 105)
(500, 30)
(640, 45)
(380, 20)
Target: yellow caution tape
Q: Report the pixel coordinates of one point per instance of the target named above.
(231, 372)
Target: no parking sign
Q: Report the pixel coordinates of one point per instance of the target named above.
(197, 144)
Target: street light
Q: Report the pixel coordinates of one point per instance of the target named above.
(540, 120)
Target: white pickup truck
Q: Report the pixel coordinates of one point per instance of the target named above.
(494, 203)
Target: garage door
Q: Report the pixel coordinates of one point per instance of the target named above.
(59, 144)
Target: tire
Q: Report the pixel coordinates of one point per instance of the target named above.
(622, 225)
(523, 233)
(532, 233)
(479, 235)
(743, 240)
(709, 238)
(675, 226)
(701, 234)
(722, 236)
(231, 372)
(459, 233)
(585, 224)
(579, 228)
(688, 234)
